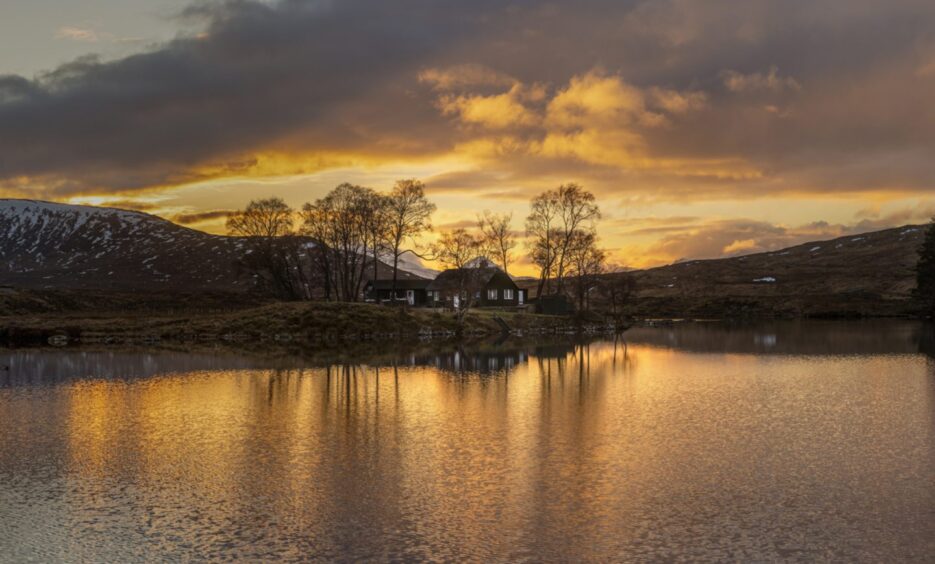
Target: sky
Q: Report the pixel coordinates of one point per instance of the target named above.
(705, 128)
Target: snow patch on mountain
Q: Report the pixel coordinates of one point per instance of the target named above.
(52, 245)
(413, 264)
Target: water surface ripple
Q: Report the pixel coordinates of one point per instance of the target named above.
(787, 442)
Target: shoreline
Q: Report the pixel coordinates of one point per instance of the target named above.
(299, 323)
(316, 325)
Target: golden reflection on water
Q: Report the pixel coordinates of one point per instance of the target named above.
(588, 452)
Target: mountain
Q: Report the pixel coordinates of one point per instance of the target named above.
(413, 265)
(866, 274)
(67, 247)
(46, 245)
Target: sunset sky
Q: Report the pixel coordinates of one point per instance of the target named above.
(705, 128)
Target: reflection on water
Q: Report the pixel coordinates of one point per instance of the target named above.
(787, 441)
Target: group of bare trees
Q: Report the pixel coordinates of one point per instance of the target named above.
(497, 238)
(462, 254)
(339, 239)
(276, 256)
(470, 254)
(346, 223)
(331, 246)
(562, 239)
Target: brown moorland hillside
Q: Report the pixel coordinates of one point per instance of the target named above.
(865, 275)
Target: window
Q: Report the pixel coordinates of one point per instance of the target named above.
(508, 294)
(492, 294)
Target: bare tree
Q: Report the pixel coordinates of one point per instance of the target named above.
(459, 252)
(578, 212)
(409, 215)
(377, 227)
(263, 219)
(543, 236)
(555, 217)
(316, 225)
(617, 288)
(341, 222)
(586, 263)
(457, 248)
(497, 237)
(275, 252)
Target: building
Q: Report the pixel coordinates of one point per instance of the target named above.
(555, 304)
(412, 292)
(490, 286)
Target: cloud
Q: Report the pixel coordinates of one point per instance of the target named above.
(662, 101)
(677, 102)
(263, 79)
(459, 224)
(90, 35)
(739, 82)
(466, 75)
(740, 246)
(719, 238)
(77, 34)
(136, 205)
(874, 219)
(200, 217)
(594, 119)
(497, 111)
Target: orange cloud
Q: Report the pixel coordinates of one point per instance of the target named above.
(498, 111)
(770, 80)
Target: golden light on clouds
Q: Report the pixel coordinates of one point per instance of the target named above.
(768, 124)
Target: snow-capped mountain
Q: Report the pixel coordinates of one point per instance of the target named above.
(413, 265)
(49, 245)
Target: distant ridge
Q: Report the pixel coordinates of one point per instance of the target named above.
(862, 275)
(867, 274)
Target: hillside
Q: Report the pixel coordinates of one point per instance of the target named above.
(52, 254)
(868, 274)
(49, 246)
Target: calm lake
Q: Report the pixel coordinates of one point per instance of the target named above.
(798, 441)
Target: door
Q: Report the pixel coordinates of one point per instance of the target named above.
(520, 295)
(411, 297)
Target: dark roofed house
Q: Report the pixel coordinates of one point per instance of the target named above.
(412, 292)
(491, 287)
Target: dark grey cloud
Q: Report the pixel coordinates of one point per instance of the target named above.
(308, 75)
(200, 217)
(135, 205)
(830, 95)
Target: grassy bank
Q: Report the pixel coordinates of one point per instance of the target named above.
(312, 322)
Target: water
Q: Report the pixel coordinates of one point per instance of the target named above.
(804, 441)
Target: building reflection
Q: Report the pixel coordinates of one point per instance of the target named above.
(927, 340)
(53, 367)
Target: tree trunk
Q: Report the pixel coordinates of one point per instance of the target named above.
(376, 260)
(542, 278)
(395, 270)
